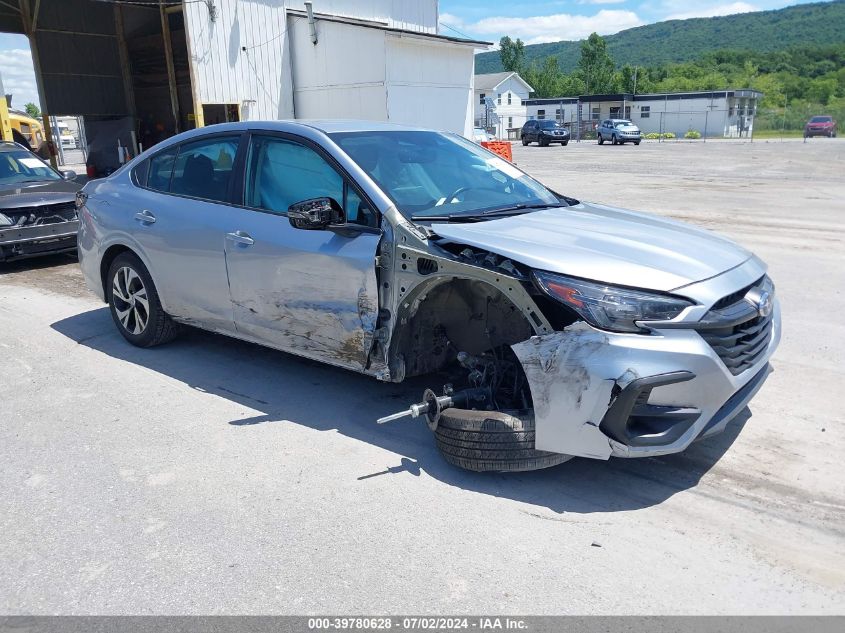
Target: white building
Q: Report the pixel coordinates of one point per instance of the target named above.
(382, 60)
(143, 71)
(500, 102)
(720, 113)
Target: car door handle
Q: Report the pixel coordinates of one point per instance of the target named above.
(145, 217)
(239, 237)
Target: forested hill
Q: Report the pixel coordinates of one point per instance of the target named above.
(820, 23)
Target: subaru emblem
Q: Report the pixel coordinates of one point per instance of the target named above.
(764, 304)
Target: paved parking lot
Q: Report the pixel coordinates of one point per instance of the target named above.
(213, 476)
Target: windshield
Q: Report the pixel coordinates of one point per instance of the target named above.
(546, 125)
(18, 165)
(820, 119)
(428, 174)
(621, 123)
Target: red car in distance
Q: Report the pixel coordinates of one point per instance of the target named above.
(820, 126)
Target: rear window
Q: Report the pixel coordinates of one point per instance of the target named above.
(139, 174)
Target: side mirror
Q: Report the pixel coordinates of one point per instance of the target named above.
(315, 214)
(69, 174)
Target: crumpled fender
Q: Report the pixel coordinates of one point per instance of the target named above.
(570, 397)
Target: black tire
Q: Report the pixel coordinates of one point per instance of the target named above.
(491, 441)
(159, 327)
(601, 139)
(565, 143)
(614, 140)
(525, 141)
(636, 142)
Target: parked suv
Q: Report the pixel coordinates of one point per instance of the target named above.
(558, 327)
(618, 131)
(544, 133)
(820, 126)
(37, 205)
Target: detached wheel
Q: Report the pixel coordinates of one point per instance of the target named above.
(491, 441)
(134, 303)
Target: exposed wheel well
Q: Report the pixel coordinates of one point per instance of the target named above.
(459, 315)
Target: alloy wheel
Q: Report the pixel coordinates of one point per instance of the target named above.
(130, 299)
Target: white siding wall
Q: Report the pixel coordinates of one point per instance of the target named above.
(353, 72)
(429, 84)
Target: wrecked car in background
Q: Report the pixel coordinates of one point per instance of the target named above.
(37, 205)
(547, 327)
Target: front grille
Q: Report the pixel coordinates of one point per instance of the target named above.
(736, 330)
(47, 214)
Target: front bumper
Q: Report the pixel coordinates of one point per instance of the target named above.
(684, 391)
(27, 241)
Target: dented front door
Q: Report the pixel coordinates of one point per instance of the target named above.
(310, 292)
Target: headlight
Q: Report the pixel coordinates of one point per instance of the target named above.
(608, 307)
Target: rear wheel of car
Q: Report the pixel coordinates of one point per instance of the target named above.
(134, 303)
(525, 141)
(492, 441)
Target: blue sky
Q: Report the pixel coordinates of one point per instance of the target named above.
(533, 21)
(554, 20)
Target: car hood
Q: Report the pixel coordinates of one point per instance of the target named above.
(628, 128)
(604, 244)
(36, 194)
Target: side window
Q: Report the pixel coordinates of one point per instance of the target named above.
(139, 174)
(203, 169)
(282, 172)
(161, 169)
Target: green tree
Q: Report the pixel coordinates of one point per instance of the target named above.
(32, 110)
(512, 54)
(595, 67)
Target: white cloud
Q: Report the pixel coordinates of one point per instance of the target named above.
(713, 10)
(600, 1)
(554, 28)
(18, 76)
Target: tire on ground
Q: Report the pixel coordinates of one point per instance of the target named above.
(492, 441)
(160, 327)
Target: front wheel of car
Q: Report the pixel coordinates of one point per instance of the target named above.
(614, 140)
(134, 303)
(524, 141)
(565, 143)
(492, 441)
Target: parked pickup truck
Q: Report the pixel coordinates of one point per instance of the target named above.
(546, 327)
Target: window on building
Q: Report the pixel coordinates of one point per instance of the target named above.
(645, 112)
(510, 121)
(499, 98)
(509, 98)
(628, 112)
(614, 112)
(596, 114)
(203, 169)
(481, 98)
(541, 114)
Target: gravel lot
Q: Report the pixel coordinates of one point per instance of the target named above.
(213, 476)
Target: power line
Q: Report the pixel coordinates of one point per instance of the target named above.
(451, 28)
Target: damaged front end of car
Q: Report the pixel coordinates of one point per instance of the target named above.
(582, 368)
(35, 230)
